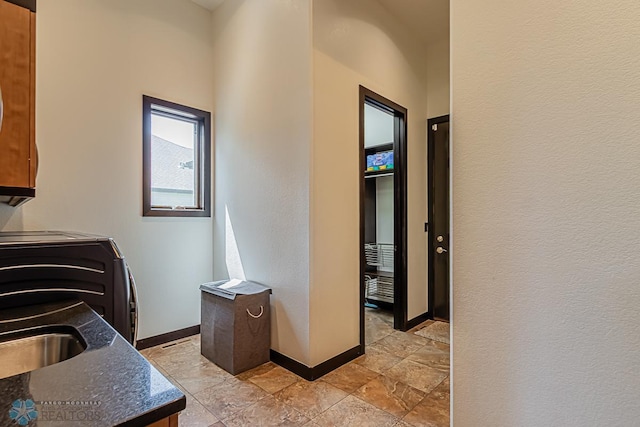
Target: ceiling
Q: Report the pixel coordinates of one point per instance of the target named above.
(428, 20)
(208, 4)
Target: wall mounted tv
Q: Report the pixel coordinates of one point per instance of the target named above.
(380, 161)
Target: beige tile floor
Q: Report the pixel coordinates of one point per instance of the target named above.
(402, 380)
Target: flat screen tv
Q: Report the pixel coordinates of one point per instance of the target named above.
(380, 161)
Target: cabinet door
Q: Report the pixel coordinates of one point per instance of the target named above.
(17, 83)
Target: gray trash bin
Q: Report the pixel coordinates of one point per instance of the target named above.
(235, 330)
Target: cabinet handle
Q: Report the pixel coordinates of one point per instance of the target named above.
(1, 108)
(37, 161)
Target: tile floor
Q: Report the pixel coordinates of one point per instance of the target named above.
(402, 380)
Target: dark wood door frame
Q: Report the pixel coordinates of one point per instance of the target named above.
(400, 207)
(430, 154)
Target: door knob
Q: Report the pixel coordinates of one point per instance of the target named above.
(440, 239)
(440, 250)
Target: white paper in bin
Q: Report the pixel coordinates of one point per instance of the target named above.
(230, 288)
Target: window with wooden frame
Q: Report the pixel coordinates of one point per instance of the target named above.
(176, 159)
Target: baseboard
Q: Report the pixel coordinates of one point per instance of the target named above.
(335, 362)
(304, 371)
(169, 336)
(417, 320)
(313, 373)
(294, 366)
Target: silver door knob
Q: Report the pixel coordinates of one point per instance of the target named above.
(440, 250)
(440, 239)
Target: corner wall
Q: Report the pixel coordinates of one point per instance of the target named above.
(262, 57)
(94, 61)
(358, 43)
(546, 220)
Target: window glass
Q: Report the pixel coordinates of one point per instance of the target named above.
(173, 158)
(176, 141)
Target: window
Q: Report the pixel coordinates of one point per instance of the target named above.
(176, 159)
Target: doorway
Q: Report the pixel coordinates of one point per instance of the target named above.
(383, 251)
(438, 208)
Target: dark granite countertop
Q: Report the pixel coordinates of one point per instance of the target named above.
(109, 384)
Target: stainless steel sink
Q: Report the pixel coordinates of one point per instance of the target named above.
(26, 352)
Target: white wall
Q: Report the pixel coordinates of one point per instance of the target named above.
(438, 85)
(95, 59)
(384, 209)
(546, 226)
(378, 127)
(358, 42)
(262, 56)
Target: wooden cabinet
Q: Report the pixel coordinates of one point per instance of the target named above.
(171, 421)
(18, 160)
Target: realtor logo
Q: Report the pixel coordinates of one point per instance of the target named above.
(23, 411)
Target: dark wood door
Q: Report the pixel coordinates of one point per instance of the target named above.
(17, 84)
(439, 234)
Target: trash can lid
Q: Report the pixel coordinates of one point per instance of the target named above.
(230, 288)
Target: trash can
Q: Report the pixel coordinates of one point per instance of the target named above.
(235, 329)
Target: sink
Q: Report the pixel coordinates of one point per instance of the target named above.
(30, 350)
